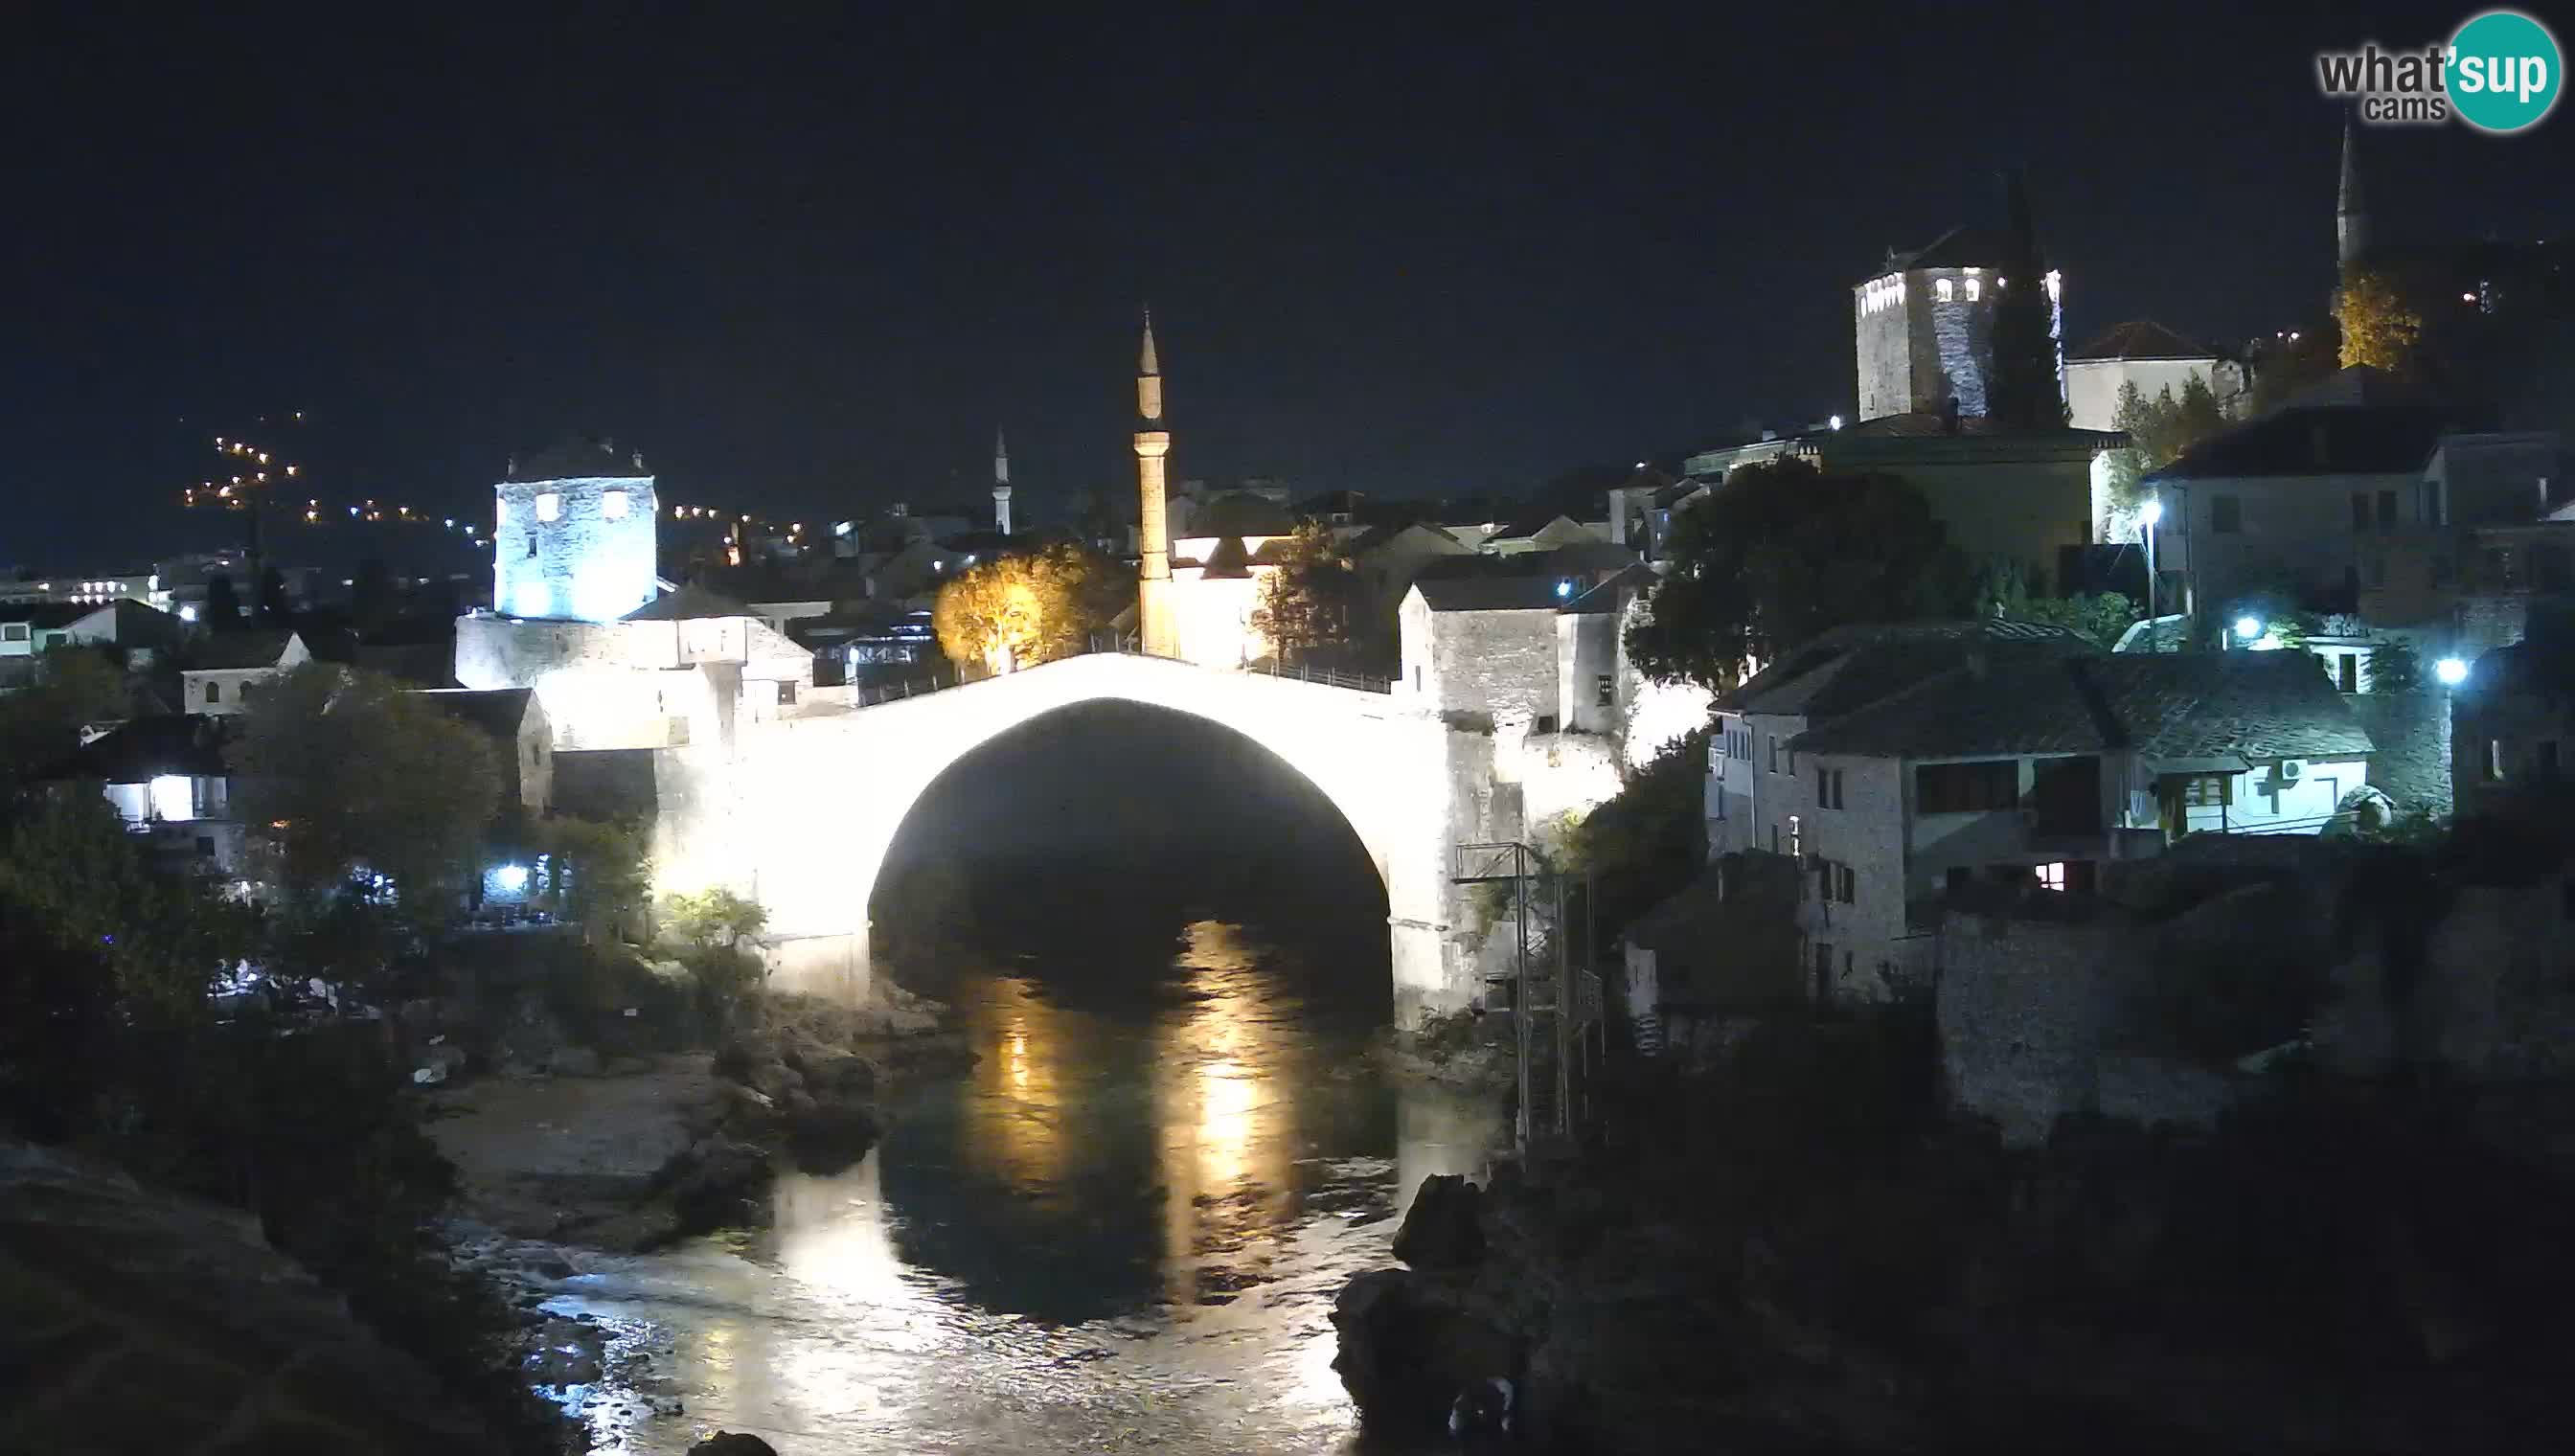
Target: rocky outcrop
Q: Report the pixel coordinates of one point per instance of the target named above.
(133, 1320)
(1441, 1231)
(732, 1443)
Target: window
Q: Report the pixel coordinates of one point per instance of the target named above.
(1828, 788)
(13, 631)
(2493, 766)
(786, 694)
(2387, 510)
(2225, 515)
(1975, 289)
(1774, 752)
(531, 547)
(612, 504)
(549, 506)
(1846, 884)
(1940, 788)
(2053, 876)
(214, 691)
(2360, 509)
(1942, 290)
(1605, 691)
(1416, 677)
(1545, 725)
(2208, 790)
(2543, 758)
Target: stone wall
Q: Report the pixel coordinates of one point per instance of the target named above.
(2410, 760)
(584, 563)
(1500, 664)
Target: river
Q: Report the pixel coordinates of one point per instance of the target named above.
(1123, 1230)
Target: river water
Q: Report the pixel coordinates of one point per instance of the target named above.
(1121, 1231)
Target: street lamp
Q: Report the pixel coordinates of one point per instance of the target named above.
(2451, 671)
(2150, 515)
(2248, 628)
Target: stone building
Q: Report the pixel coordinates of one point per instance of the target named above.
(1923, 324)
(2512, 721)
(574, 535)
(2156, 358)
(227, 666)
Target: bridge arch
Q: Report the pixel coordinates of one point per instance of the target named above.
(817, 800)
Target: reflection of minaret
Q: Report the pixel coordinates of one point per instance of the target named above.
(1158, 633)
(1001, 484)
(2351, 215)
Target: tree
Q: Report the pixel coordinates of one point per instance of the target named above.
(2100, 616)
(2379, 328)
(2024, 390)
(713, 919)
(40, 725)
(223, 604)
(274, 609)
(595, 872)
(1312, 601)
(2394, 666)
(342, 771)
(1781, 553)
(1026, 607)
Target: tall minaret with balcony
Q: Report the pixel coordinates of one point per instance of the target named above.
(1001, 484)
(1158, 632)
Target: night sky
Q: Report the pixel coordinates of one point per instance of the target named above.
(808, 260)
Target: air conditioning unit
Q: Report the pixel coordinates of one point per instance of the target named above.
(2291, 769)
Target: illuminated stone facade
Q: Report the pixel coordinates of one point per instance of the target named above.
(574, 538)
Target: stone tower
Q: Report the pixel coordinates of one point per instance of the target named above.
(1156, 627)
(574, 535)
(1001, 484)
(2351, 214)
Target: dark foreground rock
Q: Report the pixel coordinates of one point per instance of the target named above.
(139, 1321)
(732, 1443)
(1441, 1231)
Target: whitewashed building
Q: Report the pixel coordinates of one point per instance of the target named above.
(2154, 359)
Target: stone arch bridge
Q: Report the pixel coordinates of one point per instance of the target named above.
(800, 811)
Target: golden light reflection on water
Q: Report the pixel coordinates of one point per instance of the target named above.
(1227, 1143)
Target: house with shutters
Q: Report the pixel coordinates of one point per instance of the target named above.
(2016, 763)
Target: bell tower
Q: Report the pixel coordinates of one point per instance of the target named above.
(1158, 633)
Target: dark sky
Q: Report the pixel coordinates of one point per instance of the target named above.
(807, 259)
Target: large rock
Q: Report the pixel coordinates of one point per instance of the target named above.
(1442, 1230)
(1408, 1352)
(732, 1443)
(719, 1183)
(133, 1320)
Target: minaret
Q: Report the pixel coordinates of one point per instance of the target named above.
(2351, 214)
(1160, 633)
(1001, 484)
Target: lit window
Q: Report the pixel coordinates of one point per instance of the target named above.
(549, 505)
(1942, 290)
(613, 505)
(2053, 876)
(1975, 289)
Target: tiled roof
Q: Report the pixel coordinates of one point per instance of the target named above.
(1611, 595)
(236, 650)
(1239, 512)
(689, 601)
(49, 613)
(2250, 705)
(2140, 339)
(499, 712)
(1490, 593)
(147, 748)
(1851, 666)
(1960, 246)
(573, 458)
(2316, 441)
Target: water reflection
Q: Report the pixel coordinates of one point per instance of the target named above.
(1124, 1227)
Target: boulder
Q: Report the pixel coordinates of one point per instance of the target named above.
(1408, 1352)
(732, 1443)
(1442, 1230)
(831, 1136)
(719, 1183)
(831, 1072)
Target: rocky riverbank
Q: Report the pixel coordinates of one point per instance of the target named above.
(2339, 1271)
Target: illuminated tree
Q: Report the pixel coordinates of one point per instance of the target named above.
(1781, 553)
(1312, 600)
(1021, 609)
(2379, 328)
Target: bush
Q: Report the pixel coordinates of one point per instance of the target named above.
(589, 989)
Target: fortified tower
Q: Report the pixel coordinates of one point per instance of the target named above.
(573, 534)
(1155, 627)
(1001, 484)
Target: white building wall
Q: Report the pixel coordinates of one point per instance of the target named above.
(2093, 385)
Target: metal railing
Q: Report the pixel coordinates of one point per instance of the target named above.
(868, 694)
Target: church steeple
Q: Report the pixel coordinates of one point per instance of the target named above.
(1157, 630)
(2351, 213)
(1001, 484)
